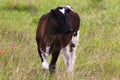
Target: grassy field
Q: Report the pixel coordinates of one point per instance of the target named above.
(98, 52)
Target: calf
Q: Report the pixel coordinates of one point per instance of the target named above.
(58, 30)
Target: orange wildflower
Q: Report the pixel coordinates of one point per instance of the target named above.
(13, 47)
(2, 51)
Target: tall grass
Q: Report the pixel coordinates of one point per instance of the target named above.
(98, 52)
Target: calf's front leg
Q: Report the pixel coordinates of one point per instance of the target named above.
(44, 56)
(52, 65)
(73, 47)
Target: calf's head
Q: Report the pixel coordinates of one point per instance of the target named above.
(62, 20)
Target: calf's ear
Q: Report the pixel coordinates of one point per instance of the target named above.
(67, 10)
(53, 12)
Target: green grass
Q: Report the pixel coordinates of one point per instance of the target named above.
(98, 52)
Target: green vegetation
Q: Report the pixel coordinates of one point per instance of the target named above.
(98, 52)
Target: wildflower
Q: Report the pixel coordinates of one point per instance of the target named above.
(3, 51)
(13, 47)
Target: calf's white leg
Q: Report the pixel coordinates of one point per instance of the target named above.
(66, 55)
(45, 65)
(69, 55)
(73, 47)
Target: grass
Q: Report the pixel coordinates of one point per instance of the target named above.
(98, 52)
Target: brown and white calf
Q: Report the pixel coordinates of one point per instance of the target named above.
(58, 31)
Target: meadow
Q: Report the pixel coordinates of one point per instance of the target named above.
(98, 51)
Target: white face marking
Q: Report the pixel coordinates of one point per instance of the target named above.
(62, 10)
